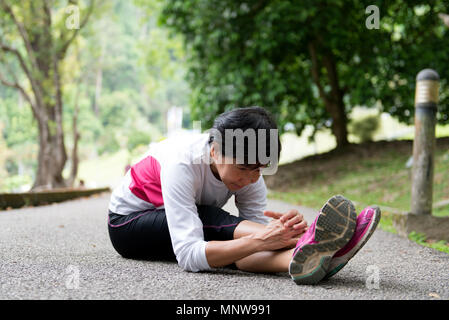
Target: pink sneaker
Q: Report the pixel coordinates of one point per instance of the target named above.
(366, 224)
(331, 231)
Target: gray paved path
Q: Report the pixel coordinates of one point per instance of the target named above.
(43, 249)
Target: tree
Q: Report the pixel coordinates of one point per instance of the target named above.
(308, 61)
(165, 63)
(3, 156)
(37, 35)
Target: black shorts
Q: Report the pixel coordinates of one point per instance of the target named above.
(144, 235)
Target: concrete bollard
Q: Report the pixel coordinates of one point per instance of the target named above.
(426, 101)
(420, 218)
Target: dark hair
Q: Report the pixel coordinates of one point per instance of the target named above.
(255, 118)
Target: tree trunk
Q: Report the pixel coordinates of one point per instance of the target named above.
(333, 101)
(51, 160)
(339, 122)
(98, 87)
(44, 51)
(99, 81)
(52, 151)
(336, 106)
(76, 137)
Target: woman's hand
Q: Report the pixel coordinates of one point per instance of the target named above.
(292, 220)
(275, 236)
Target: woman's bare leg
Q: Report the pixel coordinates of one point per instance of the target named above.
(247, 227)
(264, 261)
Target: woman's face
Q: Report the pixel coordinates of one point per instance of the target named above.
(234, 176)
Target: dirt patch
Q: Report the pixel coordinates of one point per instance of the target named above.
(303, 171)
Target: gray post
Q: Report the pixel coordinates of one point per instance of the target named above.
(426, 101)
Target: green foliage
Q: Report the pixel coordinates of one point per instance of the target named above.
(418, 237)
(117, 108)
(382, 179)
(123, 59)
(137, 138)
(108, 142)
(3, 156)
(364, 128)
(19, 125)
(15, 182)
(421, 239)
(257, 53)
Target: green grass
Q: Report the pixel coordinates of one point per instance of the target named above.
(105, 170)
(383, 181)
(108, 169)
(422, 240)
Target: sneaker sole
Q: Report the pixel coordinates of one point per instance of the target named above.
(351, 253)
(334, 228)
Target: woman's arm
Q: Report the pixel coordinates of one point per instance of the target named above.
(186, 229)
(223, 253)
(272, 237)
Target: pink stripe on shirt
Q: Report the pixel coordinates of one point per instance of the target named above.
(146, 181)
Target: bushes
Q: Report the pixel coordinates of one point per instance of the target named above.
(364, 128)
(137, 138)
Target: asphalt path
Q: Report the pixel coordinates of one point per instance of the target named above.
(62, 251)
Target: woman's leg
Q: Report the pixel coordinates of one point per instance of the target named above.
(218, 224)
(247, 227)
(264, 261)
(145, 235)
(141, 235)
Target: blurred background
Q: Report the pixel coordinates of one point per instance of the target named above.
(87, 86)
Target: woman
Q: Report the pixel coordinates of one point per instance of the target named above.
(168, 206)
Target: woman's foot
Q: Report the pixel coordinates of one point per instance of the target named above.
(366, 224)
(330, 232)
